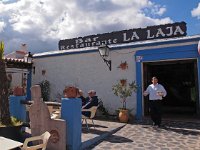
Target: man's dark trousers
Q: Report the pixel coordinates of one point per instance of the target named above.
(156, 111)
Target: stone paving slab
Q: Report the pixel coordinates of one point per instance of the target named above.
(176, 135)
(101, 130)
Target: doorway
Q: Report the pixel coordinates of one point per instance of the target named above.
(180, 80)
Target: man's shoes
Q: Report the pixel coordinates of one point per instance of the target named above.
(159, 126)
(156, 125)
(163, 126)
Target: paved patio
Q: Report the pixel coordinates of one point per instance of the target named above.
(175, 135)
(98, 132)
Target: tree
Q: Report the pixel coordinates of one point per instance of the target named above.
(4, 102)
(123, 90)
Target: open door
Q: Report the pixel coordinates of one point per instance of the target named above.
(180, 81)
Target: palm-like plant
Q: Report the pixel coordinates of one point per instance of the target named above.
(124, 90)
(4, 103)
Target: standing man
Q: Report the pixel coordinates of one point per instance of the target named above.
(156, 92)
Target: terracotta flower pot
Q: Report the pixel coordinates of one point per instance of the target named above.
(70, 92)
(18, 91)
(123, 115)
(123, 82)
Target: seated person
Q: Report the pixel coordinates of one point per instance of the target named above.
(92, 100)
(80, 95)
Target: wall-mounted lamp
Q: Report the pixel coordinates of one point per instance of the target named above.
(28, 57)
(104, 53)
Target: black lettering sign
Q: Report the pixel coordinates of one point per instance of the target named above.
(126, 36)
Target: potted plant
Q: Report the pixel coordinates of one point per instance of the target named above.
(124, 90)
(8, 124)
(45, 90)
(18, 91)
(70, 91)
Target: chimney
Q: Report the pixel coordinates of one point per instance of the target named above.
(23, 47)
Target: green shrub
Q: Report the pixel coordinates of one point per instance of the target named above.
(14, 122)
(45, 90)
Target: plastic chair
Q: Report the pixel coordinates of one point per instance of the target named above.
(56, 115)
(44, 138)
(55, 112)
(92, 110)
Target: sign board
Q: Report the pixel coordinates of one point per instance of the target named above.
(126, 36)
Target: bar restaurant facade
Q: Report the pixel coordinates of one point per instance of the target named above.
(173, 59)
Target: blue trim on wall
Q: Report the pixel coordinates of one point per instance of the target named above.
(177, 52)
(66, 53)
(28, 87)
(157, 42)
(119, 47)
(139, 92)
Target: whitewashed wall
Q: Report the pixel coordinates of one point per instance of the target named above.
(88, 71)
(16, 80)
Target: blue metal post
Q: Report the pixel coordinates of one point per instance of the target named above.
(71, 113)
(17, 109)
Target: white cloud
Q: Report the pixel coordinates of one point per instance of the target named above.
(42, 23)
(196, 12)
(2, 26)
(160, 11)
(137, 3)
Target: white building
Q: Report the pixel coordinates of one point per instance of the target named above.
(175, 61)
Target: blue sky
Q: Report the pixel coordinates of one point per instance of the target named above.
(180, 10)
(42, 23)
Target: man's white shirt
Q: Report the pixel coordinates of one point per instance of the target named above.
(153, 89)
